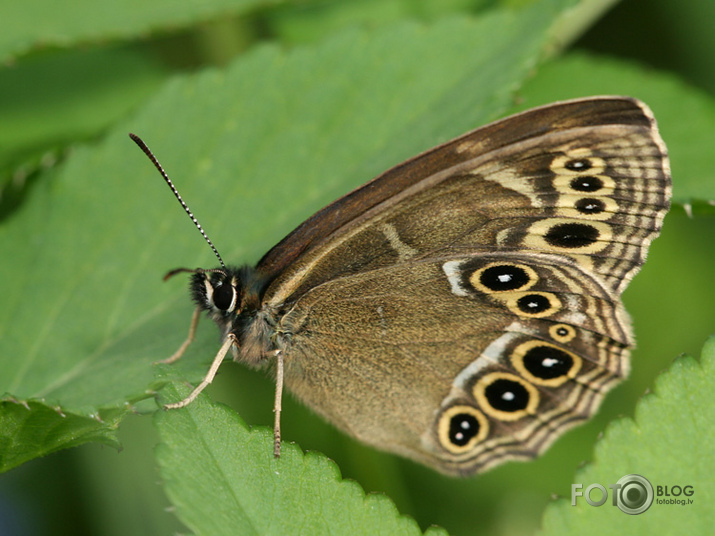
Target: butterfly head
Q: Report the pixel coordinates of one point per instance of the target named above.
(224, 293)
(217, 291)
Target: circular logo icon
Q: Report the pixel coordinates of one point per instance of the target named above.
(635, 494)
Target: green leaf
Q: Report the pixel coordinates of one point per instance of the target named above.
(35, 23)
(312, 20)
(255, 149)
(30, 429)
(669, 443)
(90, 90)
(686, 115)
(223, 479)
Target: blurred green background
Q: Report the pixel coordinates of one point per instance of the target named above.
(95, 490)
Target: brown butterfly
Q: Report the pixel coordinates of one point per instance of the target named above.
(463, 308)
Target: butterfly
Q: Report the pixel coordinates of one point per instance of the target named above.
(463, 308)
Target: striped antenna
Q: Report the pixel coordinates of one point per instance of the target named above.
(156, 163)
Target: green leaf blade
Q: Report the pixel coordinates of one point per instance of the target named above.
(208, 447)
(673, 424)
(80, 21)
(31, 429)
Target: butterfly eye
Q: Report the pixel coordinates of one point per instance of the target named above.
(223, 297)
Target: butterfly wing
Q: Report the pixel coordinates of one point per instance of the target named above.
(463, 309)
(286, 265)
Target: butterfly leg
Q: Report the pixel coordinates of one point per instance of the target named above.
(277, 405)
(230, 340)
(189, 339)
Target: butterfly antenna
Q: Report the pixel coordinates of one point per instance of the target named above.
(156, 163)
